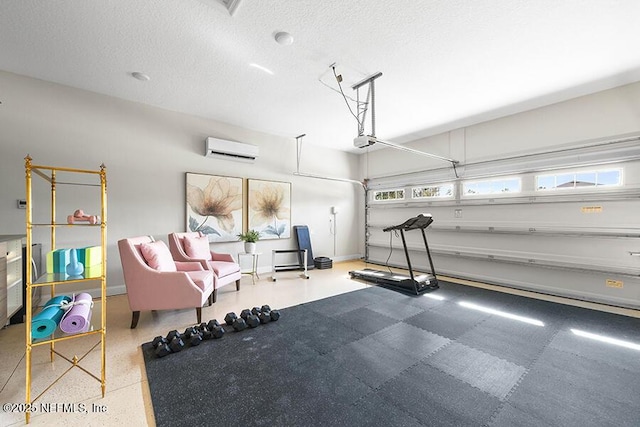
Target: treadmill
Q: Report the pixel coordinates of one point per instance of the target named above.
(413, 284)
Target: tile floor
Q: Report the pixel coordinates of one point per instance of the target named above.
(127, 399)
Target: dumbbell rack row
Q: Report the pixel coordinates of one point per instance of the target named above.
(175, 341)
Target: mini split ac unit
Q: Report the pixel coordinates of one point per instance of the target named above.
(230, 150)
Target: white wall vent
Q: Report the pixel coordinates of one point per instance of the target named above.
(230, 150)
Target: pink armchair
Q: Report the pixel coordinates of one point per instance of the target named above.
(195, 247)
(154, 284)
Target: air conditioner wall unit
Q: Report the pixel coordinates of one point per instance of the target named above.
(230, 150)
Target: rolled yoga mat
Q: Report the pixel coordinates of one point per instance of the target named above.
(45, 323)
(78, 318)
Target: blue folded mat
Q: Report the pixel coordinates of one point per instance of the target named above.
(45, 323)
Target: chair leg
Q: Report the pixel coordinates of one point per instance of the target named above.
(199, 314)
(214, 295)
(134, 319)
(238, 285)
(210, 299)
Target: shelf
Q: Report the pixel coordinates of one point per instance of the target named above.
(63, 224)
(59, 335)
(97, 327)
(92, 273)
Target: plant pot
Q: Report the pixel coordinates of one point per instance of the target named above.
(250, 247)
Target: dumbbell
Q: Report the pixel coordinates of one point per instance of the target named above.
(238, 323)
(267, 314)
(252, 320)
(160, 346)
(216, 330)
(245, 313)
(212, 324)
(193, 336)
(230, 318)
(265, 317)
(174, 338)
(205, 331)
(255, 310)
(275, 314)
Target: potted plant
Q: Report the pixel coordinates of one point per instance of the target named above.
(249, 238)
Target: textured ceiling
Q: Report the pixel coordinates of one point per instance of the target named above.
(445, 63)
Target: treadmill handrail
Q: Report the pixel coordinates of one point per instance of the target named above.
(421, 221)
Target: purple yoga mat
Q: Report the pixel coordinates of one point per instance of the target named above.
(78, 317)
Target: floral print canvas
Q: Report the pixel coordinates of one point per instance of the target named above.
(270, 208)
(214, 206)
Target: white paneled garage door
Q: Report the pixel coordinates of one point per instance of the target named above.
(564, 223)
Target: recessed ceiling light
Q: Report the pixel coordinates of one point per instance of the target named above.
(260, 67)
(284, 38)
(140, 76)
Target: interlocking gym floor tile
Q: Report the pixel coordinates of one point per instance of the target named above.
(426, 301)
(239, 389)
(396, 310)
(371, 410)
(365, 320)
(553, 315)
(386, 293)
(479, 369)
(322, 378)
(620, 357)
(323, 334)
(490, 299)
(517, 342)
(510, 416)
(563, 389)
(621, 327)
(340, 304)
(410, 340)
(447, 320)
(372, 361)
(438, 399)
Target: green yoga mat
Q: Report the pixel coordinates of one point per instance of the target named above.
(45, 323)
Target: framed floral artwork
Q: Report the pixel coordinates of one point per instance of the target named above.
(270, 208)
(214, 206)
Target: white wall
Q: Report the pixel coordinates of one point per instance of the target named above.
(147, 152)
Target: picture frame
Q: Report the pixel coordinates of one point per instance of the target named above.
(214, 206)
(269, 208)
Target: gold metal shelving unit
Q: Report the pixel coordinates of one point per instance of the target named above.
(48, 173)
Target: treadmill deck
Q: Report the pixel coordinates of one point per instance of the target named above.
(402, 282)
